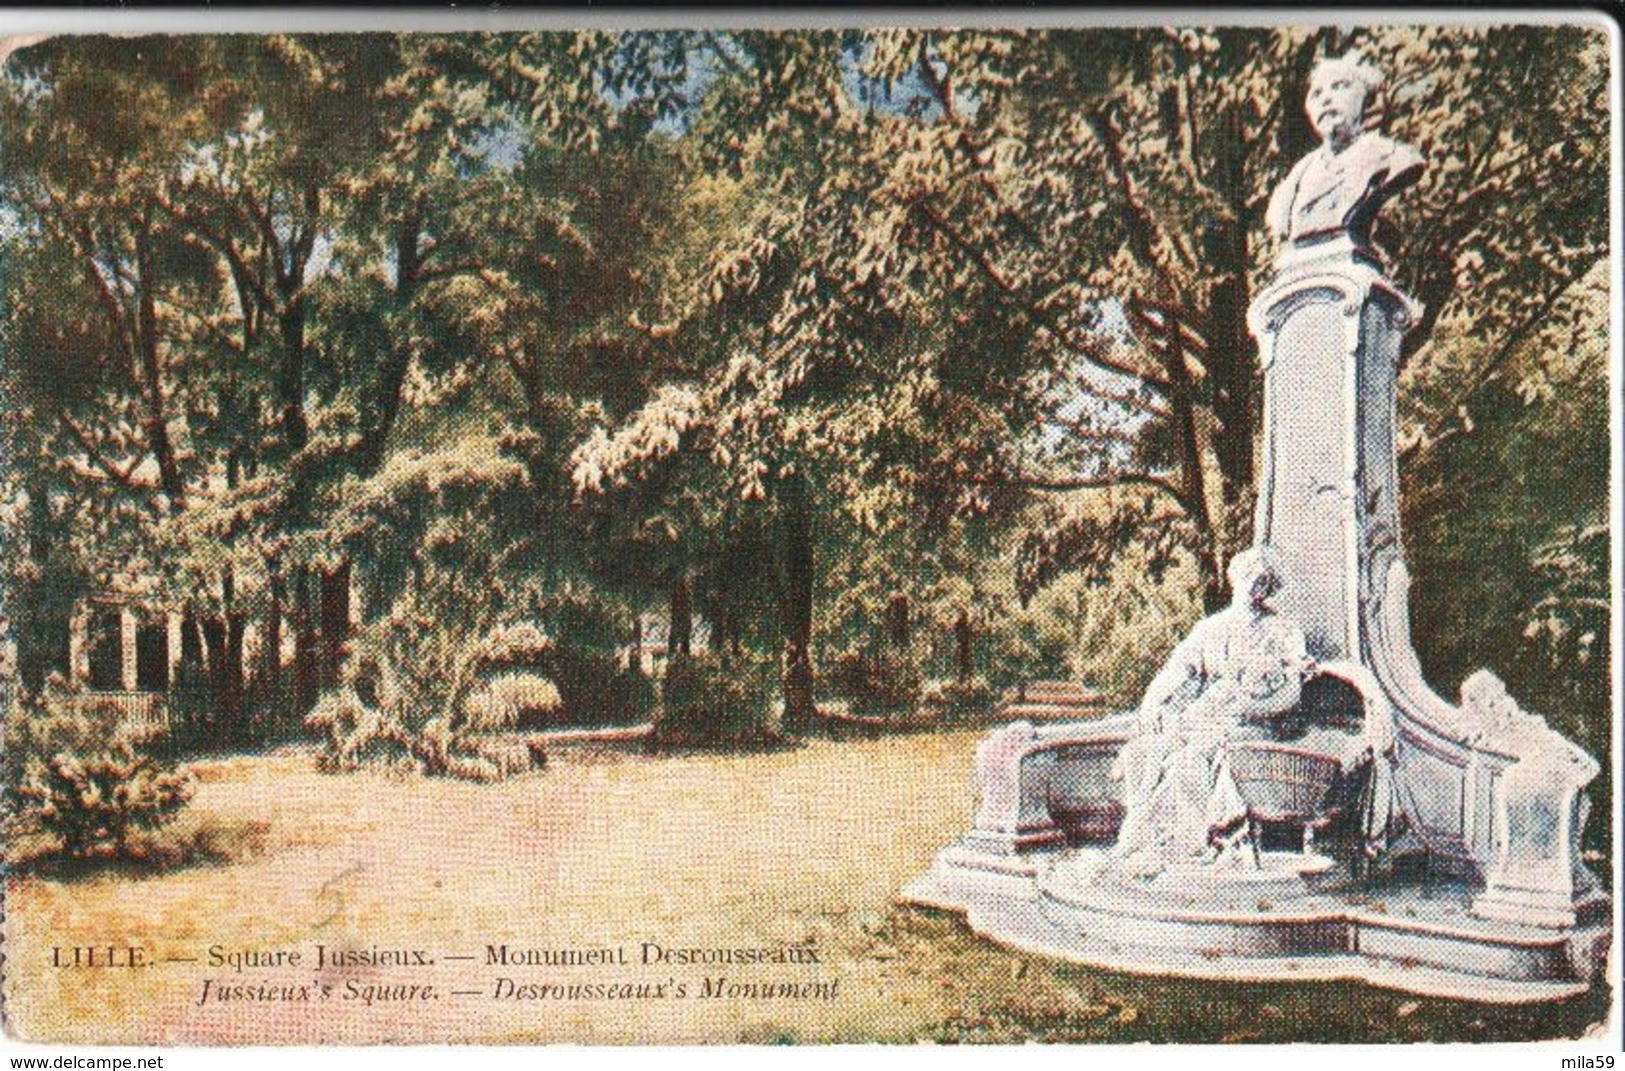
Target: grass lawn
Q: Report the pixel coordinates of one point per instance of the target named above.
(614, 849)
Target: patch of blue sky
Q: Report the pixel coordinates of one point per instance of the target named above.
(499, 147)
(678, 84)
(706, 57)
(699, 73)
(681, 85)
(30, 86)
(1086, 398)
(908, 95)
(13, 225)
(321, 255)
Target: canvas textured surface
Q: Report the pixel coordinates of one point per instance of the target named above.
(863, 534)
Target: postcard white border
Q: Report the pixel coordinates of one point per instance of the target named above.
(25, 23)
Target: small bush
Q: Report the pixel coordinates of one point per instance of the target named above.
(595, 689)
(83, 782)
(423, 697)
(93, 805)
(508, 699)
(591, 685)
(968, 700)
(352, 729)
(882, 682)
(707, 701)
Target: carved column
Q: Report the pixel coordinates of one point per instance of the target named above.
(173, 622)
(128, 628)
(1329, 330)
(79, 644)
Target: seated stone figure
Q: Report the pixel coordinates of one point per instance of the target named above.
(1235, 671)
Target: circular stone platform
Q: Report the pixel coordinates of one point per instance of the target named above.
(1278, 922)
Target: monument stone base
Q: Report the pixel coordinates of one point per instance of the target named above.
(1281, 925)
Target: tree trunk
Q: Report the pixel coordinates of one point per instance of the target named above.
(156, 420)
(227, 662)
(305, 656)
(290, 383)
(796, 602)
(728, 632)
(335, 600)
(898, 627)
(213, 628)
(191, 641)
(964, 665)
(38, 656)
(398, 358)
(291, 376)
(1181, 402)
(680, 640)
(1232, 351)
(233, 709)
(271, 652)
(1206, 550)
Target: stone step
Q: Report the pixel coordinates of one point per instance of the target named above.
(1056, 691)
(1031, 696)
(1049, 711)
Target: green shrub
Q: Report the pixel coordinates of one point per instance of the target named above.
(584, 661)
(507, 699)
(427, 697)
(968, 700)
(882, 681)
(592, 686)
(92, 805)
(711, 701)
(82, 784)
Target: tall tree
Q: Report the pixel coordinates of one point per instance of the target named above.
(1108, 190)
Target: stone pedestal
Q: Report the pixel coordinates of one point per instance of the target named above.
(1014, 771)
(1484, 783)
(1329, 331)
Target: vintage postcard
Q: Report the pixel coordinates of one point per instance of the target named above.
(721, 531)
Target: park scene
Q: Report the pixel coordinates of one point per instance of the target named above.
(527, 518)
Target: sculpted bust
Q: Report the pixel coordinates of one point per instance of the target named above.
(1337, 189)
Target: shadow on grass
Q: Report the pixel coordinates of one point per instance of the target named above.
(759, 745)
(214, 844)
(1007, 996)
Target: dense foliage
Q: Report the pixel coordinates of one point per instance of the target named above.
(82, 784)
(417, 690)
(910, 364)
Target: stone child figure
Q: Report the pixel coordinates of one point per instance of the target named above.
(1337, 189)
(1236, 669)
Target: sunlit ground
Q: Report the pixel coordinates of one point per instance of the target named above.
(807, 846)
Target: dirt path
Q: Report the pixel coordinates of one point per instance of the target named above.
(805, 847)
(607, 852)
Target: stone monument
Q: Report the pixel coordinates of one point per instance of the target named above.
(1291, 800)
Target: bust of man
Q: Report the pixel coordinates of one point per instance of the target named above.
(1337, 189)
